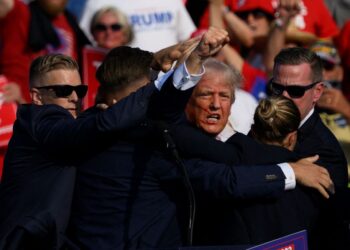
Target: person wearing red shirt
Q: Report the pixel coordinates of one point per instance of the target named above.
(315, 18)
(27, 31)
(343, 45)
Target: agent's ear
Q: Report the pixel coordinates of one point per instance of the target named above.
(36, 96)
(290, 140)
(318, 91)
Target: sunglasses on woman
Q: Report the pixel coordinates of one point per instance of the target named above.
(67, 90)
(104, 27)
(294, 91)
(257, 14)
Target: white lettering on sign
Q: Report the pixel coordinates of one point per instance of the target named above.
(151, 19)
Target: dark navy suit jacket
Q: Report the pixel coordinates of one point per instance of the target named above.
(238, 149)
(305, 208)
(121, 200)
(38, 178)
(263, 220)
(315, 138)
(227, 222)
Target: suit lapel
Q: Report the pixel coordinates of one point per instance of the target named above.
(307, 128)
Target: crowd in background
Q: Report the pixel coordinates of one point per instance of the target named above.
(258, 31)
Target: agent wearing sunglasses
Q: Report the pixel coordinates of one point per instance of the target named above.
(61, 87)
(38, 179)
(300, 80)
(45, 143)
(297, 74)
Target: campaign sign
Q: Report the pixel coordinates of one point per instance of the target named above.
(296, 241)
(7, 116)
(92, 59)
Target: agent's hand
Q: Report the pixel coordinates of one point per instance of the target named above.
(104, 106)
(164, 59)
(311, 175)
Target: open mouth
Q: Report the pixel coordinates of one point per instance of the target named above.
(214, 118)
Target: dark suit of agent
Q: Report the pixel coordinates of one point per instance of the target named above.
(120, 202)
(297, 75)
(38, 179)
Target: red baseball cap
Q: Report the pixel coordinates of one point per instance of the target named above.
(268, 6)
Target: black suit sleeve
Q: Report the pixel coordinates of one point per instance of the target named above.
(169, 103)
(191, 142)
(54, 128)
(239, 149)
(220, 180)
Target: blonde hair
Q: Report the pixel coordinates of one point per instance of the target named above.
(122, 19)
(46, 63)
(274, 119)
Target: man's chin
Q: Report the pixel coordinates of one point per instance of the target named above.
(212, 130)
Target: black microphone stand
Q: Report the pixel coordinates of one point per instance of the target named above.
(191, 197)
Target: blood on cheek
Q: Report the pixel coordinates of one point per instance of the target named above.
(203, 115)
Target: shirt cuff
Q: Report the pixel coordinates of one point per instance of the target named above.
(289, 182)
(183, 80)
(161, 79)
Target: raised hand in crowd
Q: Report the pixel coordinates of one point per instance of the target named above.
(311, 175)
(277, 40)
(239, 30)
(11, 92)
(334, 99)
(5, 7)
(285, 12)
(288, 8)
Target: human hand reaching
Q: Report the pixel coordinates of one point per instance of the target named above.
(164, 58)
(308, 174)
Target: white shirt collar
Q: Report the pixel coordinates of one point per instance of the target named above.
(306, 117)
(226, 133)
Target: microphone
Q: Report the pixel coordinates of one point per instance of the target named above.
(162, 127)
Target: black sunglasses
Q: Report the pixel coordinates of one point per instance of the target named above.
(104, 27)
(257, 14)
(67, 90)
(294, 91)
